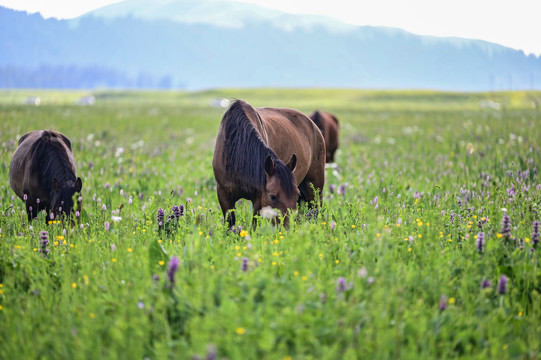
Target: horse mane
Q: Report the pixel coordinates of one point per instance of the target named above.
(50, 160)
(317, 119)
(245, 152)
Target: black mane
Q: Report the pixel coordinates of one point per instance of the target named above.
(51, 161)
(316, 118)
(245, 153)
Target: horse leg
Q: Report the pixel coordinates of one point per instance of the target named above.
(308, 187)
(32, 213)
(227, 204)
(256, 203)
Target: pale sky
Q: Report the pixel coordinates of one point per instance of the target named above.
(513, 23)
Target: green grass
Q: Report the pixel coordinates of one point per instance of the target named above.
(106, 294)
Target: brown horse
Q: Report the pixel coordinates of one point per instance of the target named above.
(42, 173)
(266, 155)
(328, 124)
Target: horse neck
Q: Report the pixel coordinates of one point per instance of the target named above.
(260, 126)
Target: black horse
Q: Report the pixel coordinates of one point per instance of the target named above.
(43, 174)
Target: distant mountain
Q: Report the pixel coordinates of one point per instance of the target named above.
(221, 13)
(198, 44)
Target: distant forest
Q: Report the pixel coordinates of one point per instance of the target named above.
(73, 77)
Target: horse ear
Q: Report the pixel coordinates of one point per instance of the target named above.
(292, 163)
(56, 185)
(78, 184)
(269, 165)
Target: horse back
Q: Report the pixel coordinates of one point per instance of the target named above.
(292, 132)
(24, 170)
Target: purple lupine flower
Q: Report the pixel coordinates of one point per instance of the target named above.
(178, 211)
(485, 283)
(44, 242)
(25, 197)
(212, 354)
(51, 215)
(160, 216)
(511, 192)
(236, 229)
(37, 200)
(172, 269)
(506, 226)
(244, 266)
(342, 189)
(480, 242)
(443, 303)
(333, 225)
(311, 214)
(332, 188)
(459, 202)
(342, 286)
(107, 226)
(502, 285)
(535, 233)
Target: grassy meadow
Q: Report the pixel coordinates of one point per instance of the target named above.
(392, 267)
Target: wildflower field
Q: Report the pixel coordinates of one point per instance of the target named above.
(426, 245)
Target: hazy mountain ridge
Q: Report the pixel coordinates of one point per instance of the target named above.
(161, 52)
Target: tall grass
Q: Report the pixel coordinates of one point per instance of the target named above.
(390, 268)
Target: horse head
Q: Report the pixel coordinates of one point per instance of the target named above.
(62, 197)
(281, 190)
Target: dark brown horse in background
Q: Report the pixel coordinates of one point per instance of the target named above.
(328, 124)
(42, 173)
(266, 155)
